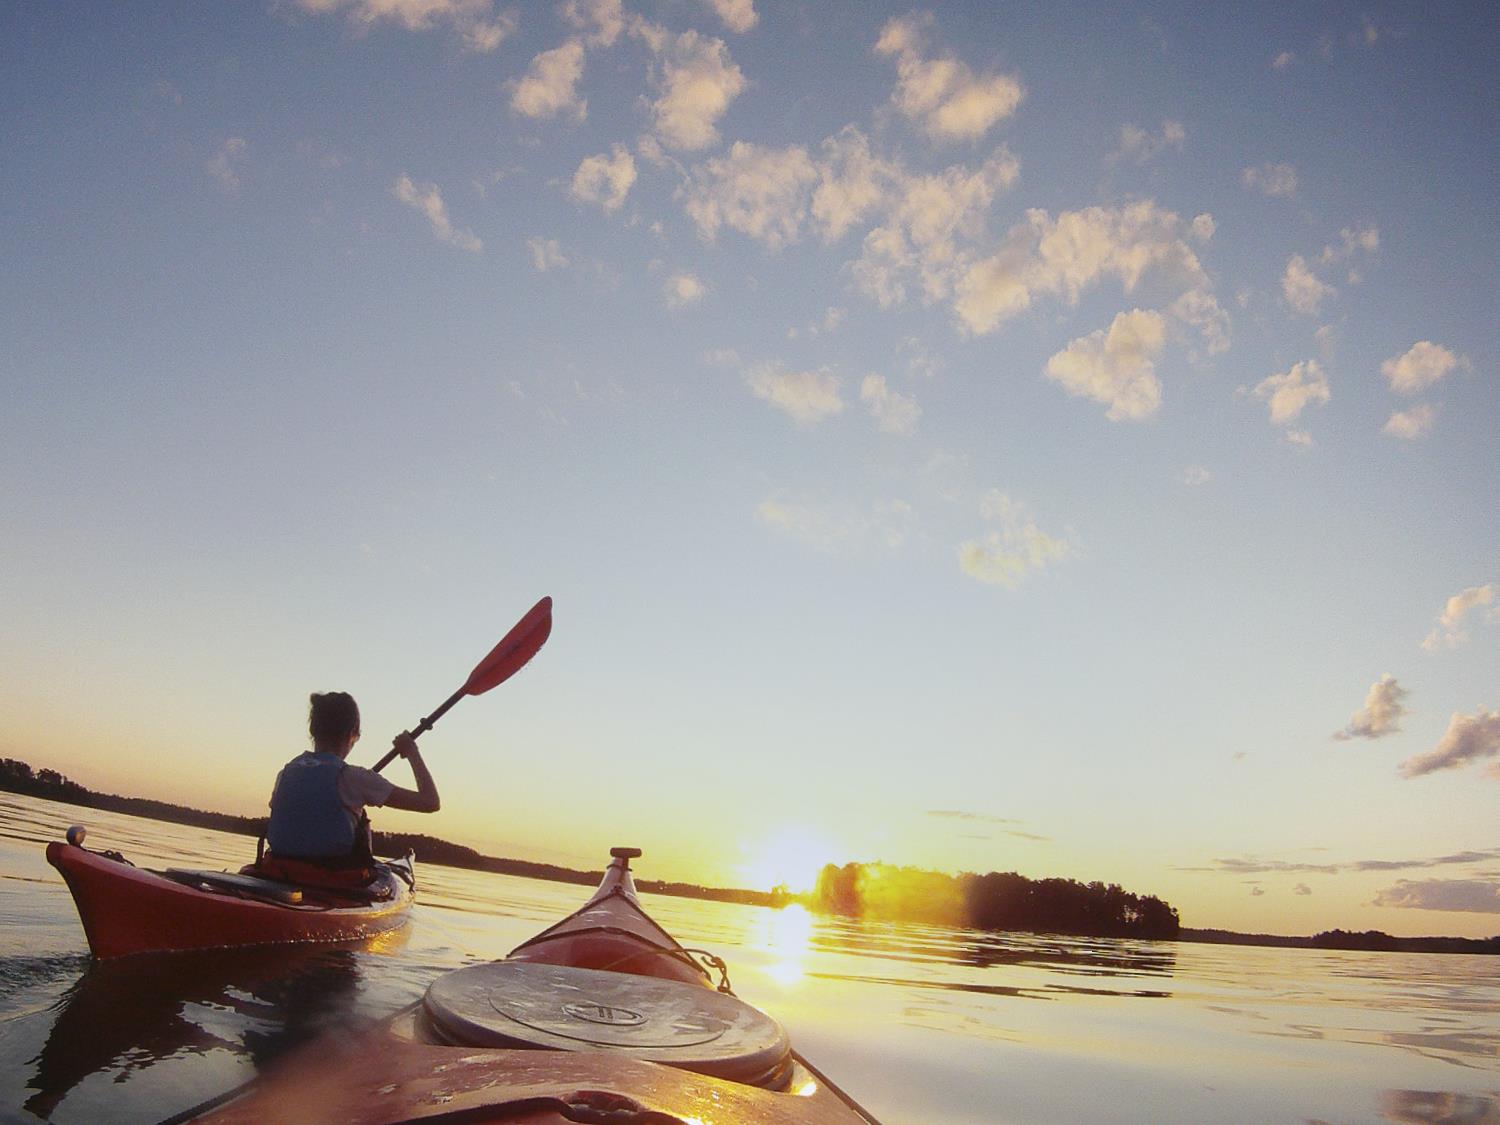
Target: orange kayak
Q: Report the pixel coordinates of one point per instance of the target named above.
(127, 909)
(602, 1017)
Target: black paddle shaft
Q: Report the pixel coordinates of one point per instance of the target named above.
(425, 725)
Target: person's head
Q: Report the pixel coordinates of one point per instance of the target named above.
(333, 720)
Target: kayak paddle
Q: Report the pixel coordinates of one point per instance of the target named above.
(504, 661)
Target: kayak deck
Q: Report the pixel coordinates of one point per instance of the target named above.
(127, 910)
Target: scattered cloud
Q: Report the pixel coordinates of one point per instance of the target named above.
(682, 289)
(739, 16)
(894, 413)
(1409, 425)
(550, 85)
(1282, 59)
(477, 22)
(1469, 738)
(1302, 289)
(1140, 145)
(1073, 252)
(887, 524)
(546, 254)
(1291, 391)
(942, 94)
(1381, 714)
(955, 814)
(605, 180)
(225, 164)
(429, 201)
(807, 397)
(1251, 865)
(1477, 896)
(1301, 889)
(1013, 549)
(695, 80)
(1450, 630)
(1195, 475)
(1117, 368)
(601, 21)
(1276, 180)
(760, 192)
(1420, 366)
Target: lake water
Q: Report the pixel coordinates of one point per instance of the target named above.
(919, 1023)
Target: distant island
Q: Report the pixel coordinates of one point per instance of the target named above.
(994, 901)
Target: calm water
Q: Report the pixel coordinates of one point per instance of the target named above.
(919, 1023)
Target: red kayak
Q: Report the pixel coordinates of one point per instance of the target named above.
(602, 1017)
(126, 909)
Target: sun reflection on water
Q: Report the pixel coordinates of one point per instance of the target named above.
(787, 936)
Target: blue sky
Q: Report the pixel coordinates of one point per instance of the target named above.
(1067, 418)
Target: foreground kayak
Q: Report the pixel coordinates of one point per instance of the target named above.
(126, 909)
(602, 1017)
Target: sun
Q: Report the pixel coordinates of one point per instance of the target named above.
(791, 857)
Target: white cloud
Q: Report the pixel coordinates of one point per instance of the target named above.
(428, 200)
(1351, 242)
(851, 183)
(546, 254)
(683, 289)
(807, 397)
(760, 192)
(1066, 255)
(1469, 738)
(550, 84)
(1195, 475)
(1203, 227)
(1381, 714)
(895, 413)
(1116, 368)
(887, 523)
(1014, 549)
(601, 21)
(695, 80)
(1303, 291)
(738, 15)
(1271, 179)
(1200, 310)
(942, 94)
(1476, 896)
(1450, 631)
(477, 22)
(1140, 145)
(225, 164)
(1282, 59)
(605, 180)
(1409, 425)
(1291, 391)
(1422, 365)
(928, 225)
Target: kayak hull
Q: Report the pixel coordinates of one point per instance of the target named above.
(128, 910)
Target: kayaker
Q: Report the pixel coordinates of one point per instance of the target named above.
(319, 800)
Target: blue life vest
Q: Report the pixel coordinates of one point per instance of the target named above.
(307, 817)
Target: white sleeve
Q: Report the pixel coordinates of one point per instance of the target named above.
(359, 787)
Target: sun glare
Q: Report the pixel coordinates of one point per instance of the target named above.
(791, 858)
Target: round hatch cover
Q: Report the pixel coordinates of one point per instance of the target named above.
(529, 1004)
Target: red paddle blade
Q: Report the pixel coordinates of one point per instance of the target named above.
(514, 650)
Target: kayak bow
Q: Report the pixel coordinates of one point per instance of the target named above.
(602, 1017)
(127, 909)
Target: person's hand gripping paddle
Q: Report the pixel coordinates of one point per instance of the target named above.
(504, 661)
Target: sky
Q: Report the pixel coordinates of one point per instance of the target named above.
(1059, 439)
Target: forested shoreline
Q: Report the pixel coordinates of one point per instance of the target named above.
(993, 901)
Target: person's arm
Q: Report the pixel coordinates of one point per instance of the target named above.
(425, 797)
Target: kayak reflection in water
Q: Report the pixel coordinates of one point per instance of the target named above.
(318, 822)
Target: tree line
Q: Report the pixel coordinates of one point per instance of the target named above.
(993, 901)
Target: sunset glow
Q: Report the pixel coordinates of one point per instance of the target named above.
(978, 437)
